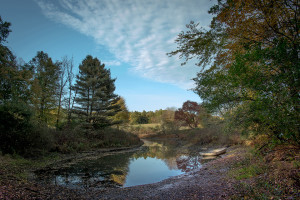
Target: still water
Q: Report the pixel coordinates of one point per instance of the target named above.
(153, 162)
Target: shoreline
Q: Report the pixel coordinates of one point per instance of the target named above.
(71, 159)
(224, 178)
(203, 183)
(208, 182)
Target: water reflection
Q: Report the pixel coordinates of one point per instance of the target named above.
(155, 161)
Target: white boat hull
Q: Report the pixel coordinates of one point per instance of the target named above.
(215, 152)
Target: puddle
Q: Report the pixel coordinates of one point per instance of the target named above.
(155, 161)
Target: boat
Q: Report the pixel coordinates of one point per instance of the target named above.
(215, 152)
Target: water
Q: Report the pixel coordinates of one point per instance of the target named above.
(155, 161)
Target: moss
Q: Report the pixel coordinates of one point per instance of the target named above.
(248, 172)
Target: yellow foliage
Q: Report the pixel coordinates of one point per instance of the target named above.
(251, 22)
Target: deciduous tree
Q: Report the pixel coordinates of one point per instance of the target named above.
(14, 77)
(255, 49)
(189, 114)
(45, 85)
(123, 115)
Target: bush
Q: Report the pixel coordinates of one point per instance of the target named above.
(82, 139)
(21, 134)
(69, 140)
(18, 133)
(170, 126)
(113, 138)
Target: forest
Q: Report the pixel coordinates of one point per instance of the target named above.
(248, 82)
(45, 107)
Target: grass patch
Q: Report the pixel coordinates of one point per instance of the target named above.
(250, 166)
(261, 190)
(274, 175)
(17, 167)
(248, 172)
(146, 125)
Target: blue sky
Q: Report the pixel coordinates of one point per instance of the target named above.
(131, 37)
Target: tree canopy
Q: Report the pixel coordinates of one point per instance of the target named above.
(254, 46)
(45, 84)
(189, 114)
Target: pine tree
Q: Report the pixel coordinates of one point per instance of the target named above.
(95, 101)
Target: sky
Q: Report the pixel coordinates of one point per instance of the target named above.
(131, 37)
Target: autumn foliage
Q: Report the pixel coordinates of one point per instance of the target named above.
(189, 114)
(250, 65)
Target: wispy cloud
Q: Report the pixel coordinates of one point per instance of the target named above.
(138, 32)
(111, 63)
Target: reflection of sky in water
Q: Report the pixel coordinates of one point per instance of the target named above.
(149, 170)
(61, 180)
(74, 181)
(154, 162)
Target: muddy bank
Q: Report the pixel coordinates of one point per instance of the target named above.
(71, 159)
(209, 182)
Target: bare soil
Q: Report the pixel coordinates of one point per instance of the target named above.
(209, 182)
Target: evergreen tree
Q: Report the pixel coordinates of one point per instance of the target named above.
(95, 101)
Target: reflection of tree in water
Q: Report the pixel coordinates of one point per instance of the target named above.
(112, 170)
(109, 170)
(171, 163)
(169, 152)
(157, 150)
(188, 163)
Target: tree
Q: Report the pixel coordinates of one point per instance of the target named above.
(17, 130)
(189, 114)
(8, 67)
(254, 45)
(95, 100)
(6, 56)
(71, 95)
(14, 76)
(143, 119)
(45, 85)
(168, 114)
(123, 115)
(138, 117)
(65, 77)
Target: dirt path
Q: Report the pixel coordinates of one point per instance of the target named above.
(209, 182)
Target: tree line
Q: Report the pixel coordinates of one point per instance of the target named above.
(191, 114)
(47, 93)
(151, 117)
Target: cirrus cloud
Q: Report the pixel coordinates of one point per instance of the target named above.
(138, 32)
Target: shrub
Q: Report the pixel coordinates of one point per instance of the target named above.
(69, 140)
(170, 126)
(114, 137)
(18, 132)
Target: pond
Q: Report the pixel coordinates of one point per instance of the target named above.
(153, 162)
